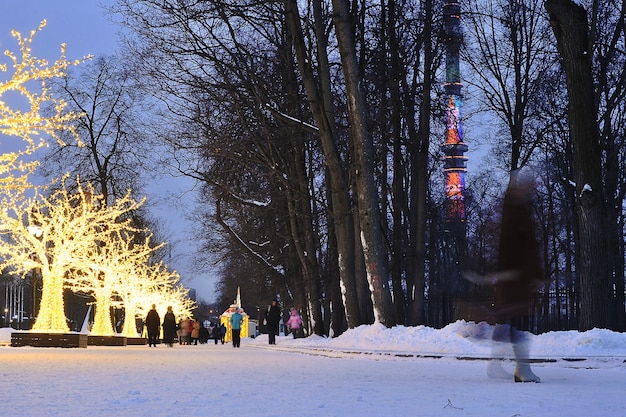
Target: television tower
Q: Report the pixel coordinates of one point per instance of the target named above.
(455, 163)
(450, 285)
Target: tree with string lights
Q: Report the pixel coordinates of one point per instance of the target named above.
(53, 234)
(106, 267)
(148, 284)
(23, 125)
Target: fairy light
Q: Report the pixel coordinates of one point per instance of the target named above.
(71, 224)
(28, 125)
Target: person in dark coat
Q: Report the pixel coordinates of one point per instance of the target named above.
(520, 273)
(169, 327)
(222, 332)
(153, 322)
(204, 334)
(273, 320)
(217, 333)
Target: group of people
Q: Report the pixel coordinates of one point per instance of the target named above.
(153, 326)
(272, 319)
(187, 332)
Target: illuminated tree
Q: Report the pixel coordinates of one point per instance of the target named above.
(78, 240)
(120, 268)
(177, 296)
(145, 285)
(27, 86)
(107, 267)
(53, 234)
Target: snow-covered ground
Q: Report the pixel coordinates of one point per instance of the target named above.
(369, 371)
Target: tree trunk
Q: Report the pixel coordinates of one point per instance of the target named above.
(419, 176)
(333, 283)
(570, 27)
(338, 186)
(367, 194)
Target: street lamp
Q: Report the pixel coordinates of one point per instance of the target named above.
(6, 317)
(38, 233)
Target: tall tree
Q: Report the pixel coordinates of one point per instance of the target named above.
(112, 152)
(367, 194)
(320, 98)
(571, 29)
(508, 52)
(608, 28)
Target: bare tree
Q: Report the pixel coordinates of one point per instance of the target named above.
(508, 52)
(367, 194)
(112, 152)
(571, 29)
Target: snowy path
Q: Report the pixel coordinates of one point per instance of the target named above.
(209, 380)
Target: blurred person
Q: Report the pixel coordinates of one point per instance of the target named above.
(216, 332)
(169, 327)
(153, 324)
(205, 334)
(185, 331)
(519, 275)
(273, 321)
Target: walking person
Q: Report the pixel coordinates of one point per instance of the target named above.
(169, 327)
(185, 331)
(195, 332)
(273, 321)
(294, 323)
(521, 273)
(222, 333)
(153, 322)
(216, 333)
(205, 334)
(236, 320)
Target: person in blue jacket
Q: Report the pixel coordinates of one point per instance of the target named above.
(236, 319)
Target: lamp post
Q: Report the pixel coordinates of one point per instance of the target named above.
(38, 233)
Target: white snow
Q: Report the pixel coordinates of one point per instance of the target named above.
(368, 371)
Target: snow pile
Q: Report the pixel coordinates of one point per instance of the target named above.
(457, 339)
(465, 339)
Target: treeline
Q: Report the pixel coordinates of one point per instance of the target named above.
(314, 129)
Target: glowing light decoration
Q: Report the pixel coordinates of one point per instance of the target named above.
(453, 146)
(71, 225)
(110, 261)
(225, 319)
(74, 239)
(27, 87)
(150, 284)
(175, 295)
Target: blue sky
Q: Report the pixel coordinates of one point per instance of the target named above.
(81, 24)
(86, 30)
